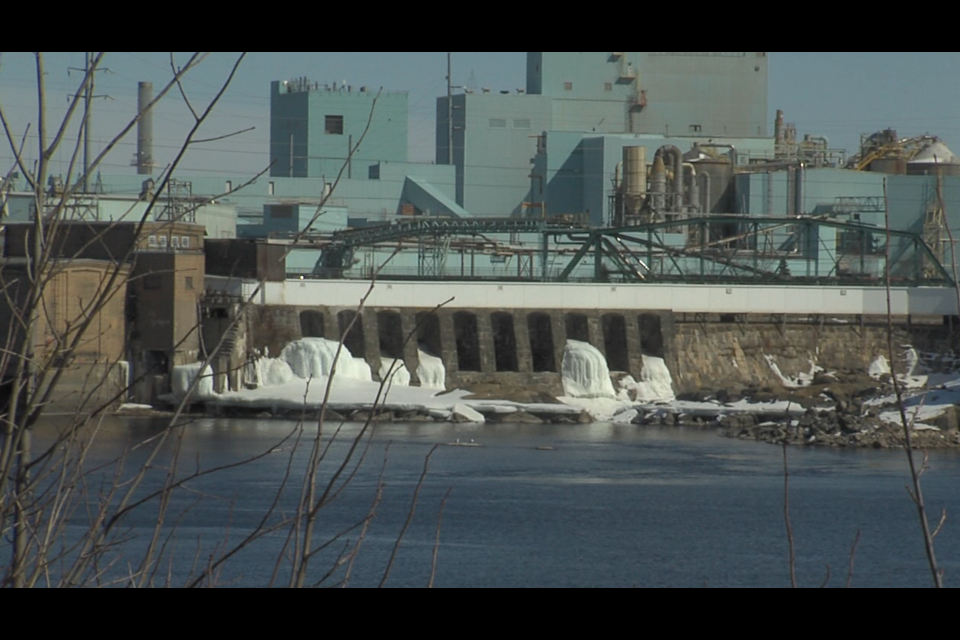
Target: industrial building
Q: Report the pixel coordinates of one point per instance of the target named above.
(313, 128)
(578, 111)
(652, 168)
(149, 315)
(606, 139)
(599, 139)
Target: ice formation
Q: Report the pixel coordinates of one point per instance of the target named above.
(467, 414)
(307, 358)
(914, 365)
(399, 377)
(655, 383)
(313, 358)
(915, 374)
(802, 379)
(269, 372)
(431, 371)
(584, 372)
(879, 367)
(185, 374)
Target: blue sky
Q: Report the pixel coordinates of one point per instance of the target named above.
(839, 95)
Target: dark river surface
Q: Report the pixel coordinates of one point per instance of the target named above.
(598, 505)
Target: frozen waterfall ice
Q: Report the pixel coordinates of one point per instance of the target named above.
(431, 372)
(313, 358)
(584, 372)
(183, 377)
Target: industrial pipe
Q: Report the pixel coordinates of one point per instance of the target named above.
(658, 182)
(704, 179)
(690, 182)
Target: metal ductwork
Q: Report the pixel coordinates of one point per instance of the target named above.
(675, 203)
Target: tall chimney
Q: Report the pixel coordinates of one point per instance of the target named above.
(144, 129)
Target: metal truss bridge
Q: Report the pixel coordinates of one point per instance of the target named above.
(801, 250)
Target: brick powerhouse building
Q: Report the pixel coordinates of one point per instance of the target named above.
(150, 320)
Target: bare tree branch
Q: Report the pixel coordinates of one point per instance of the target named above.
(227, 135)
(907, 424)
(410, 512)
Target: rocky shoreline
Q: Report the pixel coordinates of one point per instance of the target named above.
(814, 428)
(836, 410)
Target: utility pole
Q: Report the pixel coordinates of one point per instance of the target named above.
(87, 97)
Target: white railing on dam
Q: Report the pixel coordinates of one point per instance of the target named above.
(692, 298)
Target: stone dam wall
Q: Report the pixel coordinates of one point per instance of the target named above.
(525, 346)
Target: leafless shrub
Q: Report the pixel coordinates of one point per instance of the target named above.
(46, 490)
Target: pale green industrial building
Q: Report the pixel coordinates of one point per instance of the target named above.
(558, 148)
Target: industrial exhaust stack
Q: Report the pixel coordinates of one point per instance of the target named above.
(144, 129)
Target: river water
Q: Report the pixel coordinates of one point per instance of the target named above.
(599, 505)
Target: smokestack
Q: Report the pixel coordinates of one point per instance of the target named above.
(144, 129)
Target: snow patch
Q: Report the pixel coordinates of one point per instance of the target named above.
(432, 373)
(584, 372)
(602, 409)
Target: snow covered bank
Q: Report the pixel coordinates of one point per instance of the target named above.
(845, 407)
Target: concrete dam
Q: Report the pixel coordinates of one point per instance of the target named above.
(514, 334)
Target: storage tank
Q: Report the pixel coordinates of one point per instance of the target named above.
(634, 178)
(658, 183)
(892, 166)
(932, 159)
(720, 196)
(635, 170)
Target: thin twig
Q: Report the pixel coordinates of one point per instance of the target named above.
(826, 579)
(377, 498)
(410, 512)
(436, 542)
(853, 555)
(786, 518)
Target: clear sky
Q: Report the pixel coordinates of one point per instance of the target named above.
(839, 95)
